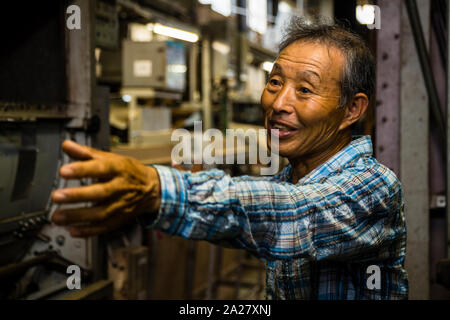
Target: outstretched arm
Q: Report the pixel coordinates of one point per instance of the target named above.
(344, 216)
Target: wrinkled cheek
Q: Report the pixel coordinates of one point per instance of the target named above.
(317, 119)
(267, 113)
(311, 117)
(321, 134)
(266, 100)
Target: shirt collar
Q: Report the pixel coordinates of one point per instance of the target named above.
(360, 146)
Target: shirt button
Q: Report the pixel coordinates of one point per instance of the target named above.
(166, 225)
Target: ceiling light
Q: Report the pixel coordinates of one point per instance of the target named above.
(222, 6)
(177, 68)
(365, 14)
(126, 98)
(267, 66)
(175, 33)
(221, 47)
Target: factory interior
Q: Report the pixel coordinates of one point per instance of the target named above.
(123, 75)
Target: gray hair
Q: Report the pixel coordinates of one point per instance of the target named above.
(359, 69)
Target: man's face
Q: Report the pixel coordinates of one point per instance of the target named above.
(301, 99)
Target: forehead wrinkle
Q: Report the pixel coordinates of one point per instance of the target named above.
(277, 68)
(317, 63)
(315, 67)
(290, 53)
(308, 75)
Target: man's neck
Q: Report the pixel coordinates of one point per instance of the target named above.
(304, 165)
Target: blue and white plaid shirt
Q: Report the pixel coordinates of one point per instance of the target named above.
(318, 236)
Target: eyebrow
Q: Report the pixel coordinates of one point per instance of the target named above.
(308, 75)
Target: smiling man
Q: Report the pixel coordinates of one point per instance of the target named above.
(330, 225)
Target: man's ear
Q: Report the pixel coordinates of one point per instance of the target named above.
(355, 110)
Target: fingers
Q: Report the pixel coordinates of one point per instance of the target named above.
(76, 151)
(89, 231)
(126, 190)
(85, 222)
(79, 215)
(107, 225)
(101, 169)
(95, 192)
(80, 152)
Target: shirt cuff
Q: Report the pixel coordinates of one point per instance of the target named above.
(173, 201)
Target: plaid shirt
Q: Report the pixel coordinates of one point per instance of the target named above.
(318, 236)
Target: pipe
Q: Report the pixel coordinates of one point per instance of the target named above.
(425, 65)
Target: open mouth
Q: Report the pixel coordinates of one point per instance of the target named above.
(281, 129)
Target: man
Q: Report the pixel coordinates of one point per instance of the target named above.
(330, 225)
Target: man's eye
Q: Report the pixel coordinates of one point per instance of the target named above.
(305, 90)
(274, 82)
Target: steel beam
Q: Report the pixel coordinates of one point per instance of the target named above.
(206, 84)
(448, 131)
(402, 130)
(81, 65)
(425, 65)
(387, 139)
(414, 154)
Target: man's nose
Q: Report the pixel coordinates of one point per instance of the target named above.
(284, 101)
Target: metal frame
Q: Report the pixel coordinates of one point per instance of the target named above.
(388, 86)
(206, 83)
(422, 51)
(414, 155)
(402, 122)
(448, 131)
(81, 65)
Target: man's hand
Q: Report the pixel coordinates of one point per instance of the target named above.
(125, 189)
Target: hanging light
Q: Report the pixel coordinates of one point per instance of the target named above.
(267, 66)
(221, 47)
(175, 33)
(365, 14)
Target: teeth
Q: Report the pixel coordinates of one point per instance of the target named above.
(280, 127)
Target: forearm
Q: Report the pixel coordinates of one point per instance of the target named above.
(202, 207)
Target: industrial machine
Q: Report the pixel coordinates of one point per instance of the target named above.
(47, 94)
(152, 70)
(157, 64)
